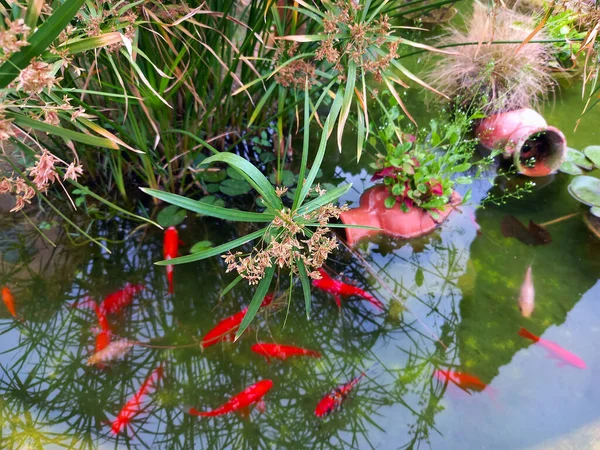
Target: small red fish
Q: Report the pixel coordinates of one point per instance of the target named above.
(463, 380)
(282, 351)
(134, 406)
(341, 289)
(115, 302)
(227, 327)
(103, 337)
(247, 397)
(170, 251)
(555, 350)
(9, 300)
(335, 398)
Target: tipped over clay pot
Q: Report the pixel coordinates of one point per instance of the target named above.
(392, 221)
(523, 134)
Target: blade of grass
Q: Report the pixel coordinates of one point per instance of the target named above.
(305, 285)
(230, 286)
(208, 209)
(213, 251)
(304, 160)
(348, 93)
(328, 197)
(256, 301)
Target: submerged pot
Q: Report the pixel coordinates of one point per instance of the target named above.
(392, 221)
(523, 134)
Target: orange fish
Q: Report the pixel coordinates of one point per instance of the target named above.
(555, 350)
(103, 337)
(227, 327)
(463, 380)
(115, 302)
(341, 289)
(170, 251)
(9, 301)
(252, 394)
(134, 406)
(335, 398)
(282, 351)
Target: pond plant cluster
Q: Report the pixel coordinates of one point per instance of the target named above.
(164, 113)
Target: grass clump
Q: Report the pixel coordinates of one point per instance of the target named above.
(489, 69)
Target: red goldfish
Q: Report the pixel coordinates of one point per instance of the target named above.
(103, 337)
(339, 288)
(527, 295)
(282, 351)
(248, 396)
(170, 251)
(9, 301)
(227, 327)
(463, 380)
(115, 302)
(134, 406)
(555, 350)
(335, 398)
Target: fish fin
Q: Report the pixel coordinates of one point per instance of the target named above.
(244, 412)
(261, 406)
(561, 364)
(338, 301)
(170, 280)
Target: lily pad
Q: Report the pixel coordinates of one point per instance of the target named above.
(210, 176)
(212, 200)
(234, 187)
(200, 246)
(287, 178)
(570, 168)
(170, 216)
(593, 154)
(595, 211)
(579, 159)
(586, 189)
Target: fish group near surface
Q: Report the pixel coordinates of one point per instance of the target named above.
(170, 251)
(9, 301)
(334, 399)
(134, 406)
(527, 295)
(565, 357)
(250, 395)
(226, 328)
(282, 351)
(341, 289)
(114, 302)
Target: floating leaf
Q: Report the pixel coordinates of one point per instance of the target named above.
(170, 216)
(593, 153)
(579, 159)
(234, 187)
(234, 174)
(287, 178)
(212, 176)
(595, 210)
(586, 189)
(570, 168)
(534, 235)
(201, 246)
(212, 200)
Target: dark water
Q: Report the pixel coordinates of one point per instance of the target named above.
(452, 300)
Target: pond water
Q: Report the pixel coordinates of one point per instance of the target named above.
(451, 304)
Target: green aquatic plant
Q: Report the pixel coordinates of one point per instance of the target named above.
(424, 172)
(584, 188)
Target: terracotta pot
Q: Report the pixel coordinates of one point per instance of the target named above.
(393, 221)
(524, 134)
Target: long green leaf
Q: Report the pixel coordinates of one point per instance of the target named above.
(328, 197)
(348, 94)
(63, 132)
(360, 140)
(256, 301)
(305, 285)
(305, 142)
(333, 113)
(231, 285)
(196, 138)
(208, 209)
(213, 251)
(39, 41)
(34, 8)
(251, 174)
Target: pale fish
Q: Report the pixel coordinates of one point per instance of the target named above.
(527, 295)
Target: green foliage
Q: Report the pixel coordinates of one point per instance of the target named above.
(170, 216)
(584, 188)
(424, 172)
(561, 27)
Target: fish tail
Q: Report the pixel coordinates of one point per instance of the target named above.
(170, 279)
(375, 302)
(528, 335)
(314, 353)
